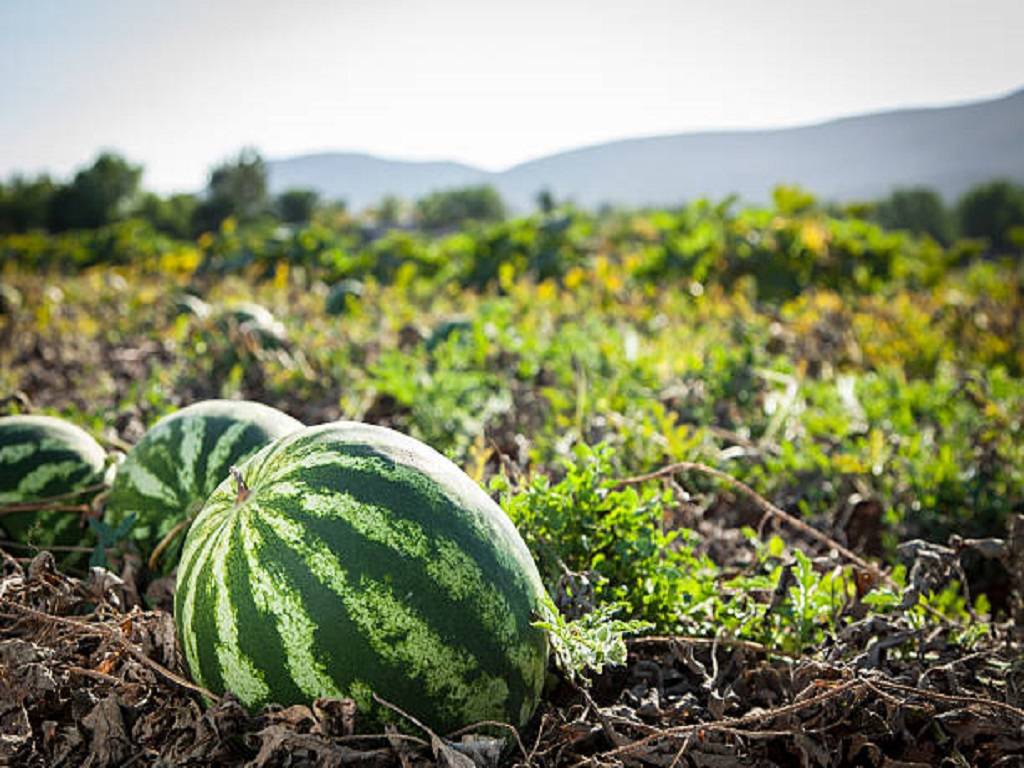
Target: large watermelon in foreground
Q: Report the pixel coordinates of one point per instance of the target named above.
(168, 475)
(42, 457)
(355, 560)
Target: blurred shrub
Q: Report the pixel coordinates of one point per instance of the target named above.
(992, 211)
(919, 210)
(450, 208)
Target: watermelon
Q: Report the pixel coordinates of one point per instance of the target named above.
(187, 304)
(167, 476)
(446, 330)
(347, 559)
(255, 321)
(42, 457)
(341, 294)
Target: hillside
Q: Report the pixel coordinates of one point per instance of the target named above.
(364, 179)
(948, 148)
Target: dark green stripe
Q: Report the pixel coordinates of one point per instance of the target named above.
(257, 637)
(206, 476)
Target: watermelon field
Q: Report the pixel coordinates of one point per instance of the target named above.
(709, 486)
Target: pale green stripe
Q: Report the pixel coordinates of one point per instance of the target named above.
(145, 483)
(239, 674)
(450, 485)
(190, 449)
(374, 522)
(11, 454)
(295, 458)
(57, 444)
(296, 628)
(43, 475)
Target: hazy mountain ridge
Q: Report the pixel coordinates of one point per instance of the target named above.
(861, 157)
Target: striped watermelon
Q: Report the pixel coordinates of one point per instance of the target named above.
(255, 321)
(357, 560)
(42, 457)
(168, 475)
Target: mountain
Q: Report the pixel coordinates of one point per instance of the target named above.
(363, 180)
(854, 158)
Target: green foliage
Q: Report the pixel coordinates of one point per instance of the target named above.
(108, 537)
(97, 196)
(171, 215)
(585, 522)
(450, 208)
(793, 201)
(25, 203)
(992, 211)
(297, 206)
(588, 644)
(389, 211)
(919, 210)
(237, 189)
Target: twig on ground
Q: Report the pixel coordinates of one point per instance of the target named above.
(732, 723)
(51, 500)
(398, 710)
(117, 637)
(728, 642)
(967, 701)
(492, 724)
(15, 509)
(7, 543)
(767, 507)
(167, 540)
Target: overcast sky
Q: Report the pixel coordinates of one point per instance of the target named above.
(181, 84)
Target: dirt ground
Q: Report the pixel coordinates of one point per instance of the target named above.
(90, 678)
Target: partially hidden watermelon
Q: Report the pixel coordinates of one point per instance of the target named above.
(357, 560)
(255, 321)
(40, 458)
(167, 476)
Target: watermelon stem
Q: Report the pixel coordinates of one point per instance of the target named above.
(243, 489)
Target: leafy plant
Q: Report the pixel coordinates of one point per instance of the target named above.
(587, 645)
(108, 537)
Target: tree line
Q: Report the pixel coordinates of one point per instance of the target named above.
(109, 190)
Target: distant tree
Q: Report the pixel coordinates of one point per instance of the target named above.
(171, 215)
(389, 211)
(333, 214)
(991, 211)
(236, 188)
(25, 203)
(545, 201)
(297, 206)
(917, 209)
(792, 200)
(97, 195)
(452, 207)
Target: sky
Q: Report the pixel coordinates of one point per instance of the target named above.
(180, 85)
